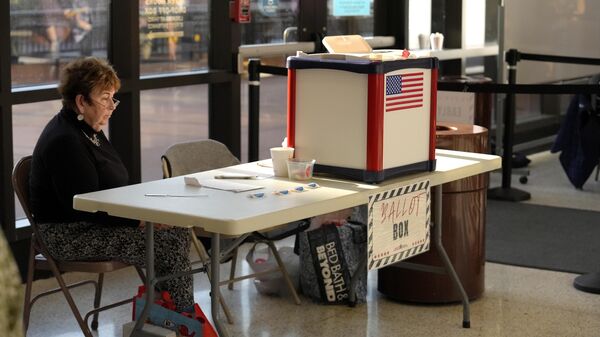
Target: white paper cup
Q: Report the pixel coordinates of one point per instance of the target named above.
(423, 41)
(437, 41)
(279, 156)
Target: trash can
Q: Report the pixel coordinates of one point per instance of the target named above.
(463, 232)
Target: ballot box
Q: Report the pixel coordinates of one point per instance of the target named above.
(364, 116)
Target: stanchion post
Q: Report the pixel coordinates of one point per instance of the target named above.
(512, 57)
(506, 192)
(253, 108)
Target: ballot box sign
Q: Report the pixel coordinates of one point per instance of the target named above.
(399, 224)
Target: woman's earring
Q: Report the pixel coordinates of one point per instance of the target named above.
(80, 117)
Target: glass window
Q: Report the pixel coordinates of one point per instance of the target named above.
(419, 24)
(473, 25)
(170, 116)
(347, 25)
(269, 20)
(272, 21)
(46, 34)
(174, 35)
(28, 122)
(273, 114)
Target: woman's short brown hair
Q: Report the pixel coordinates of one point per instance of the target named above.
(84, 75)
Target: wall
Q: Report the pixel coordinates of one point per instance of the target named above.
(554, 27)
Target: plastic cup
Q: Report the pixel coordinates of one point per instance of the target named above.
(299, 169)
(279, 156)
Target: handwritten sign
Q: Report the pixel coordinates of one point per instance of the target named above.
(458, 107)
(399, 222)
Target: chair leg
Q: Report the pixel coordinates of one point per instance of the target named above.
(283, 270)
(86, 331)
(199, 247)
(233, 266)
(140, 274)
(27, 304)
(97, 299)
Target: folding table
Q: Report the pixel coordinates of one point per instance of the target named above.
(229, 213)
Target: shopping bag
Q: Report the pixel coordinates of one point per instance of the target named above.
(262, 259)
(330, 257)
(163, 314)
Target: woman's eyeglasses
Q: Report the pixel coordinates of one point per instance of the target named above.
(105, 102)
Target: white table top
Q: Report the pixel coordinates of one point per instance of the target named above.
(232, 213)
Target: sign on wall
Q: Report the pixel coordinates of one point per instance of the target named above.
(164, 18)
(399, 223)
(269, 7)
(351, 7)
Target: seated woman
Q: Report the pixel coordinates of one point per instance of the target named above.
(73, 156)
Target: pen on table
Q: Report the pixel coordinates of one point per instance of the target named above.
(175, 195)
(233, 176)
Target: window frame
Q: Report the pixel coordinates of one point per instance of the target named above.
(124, 54)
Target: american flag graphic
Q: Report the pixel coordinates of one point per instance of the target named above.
(403, 91)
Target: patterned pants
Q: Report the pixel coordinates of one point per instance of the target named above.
(92, 242)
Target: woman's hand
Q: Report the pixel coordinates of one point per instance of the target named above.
(337, 218)
(161, 226)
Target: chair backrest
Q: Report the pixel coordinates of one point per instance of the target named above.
(20, 182)
(196, 156)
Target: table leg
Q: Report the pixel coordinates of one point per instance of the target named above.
(150, 280)
(437, 238)
(215, 291)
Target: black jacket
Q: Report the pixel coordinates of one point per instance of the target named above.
(579, 140)
(65, 163)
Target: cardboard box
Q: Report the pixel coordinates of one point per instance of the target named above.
(149, 330)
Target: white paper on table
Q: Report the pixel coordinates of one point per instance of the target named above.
(226, 185)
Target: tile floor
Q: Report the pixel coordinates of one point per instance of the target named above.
(517, 301)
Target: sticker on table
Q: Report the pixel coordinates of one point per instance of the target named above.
(257, 195)
(281, 192)
(399, 224)
(299, 189)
